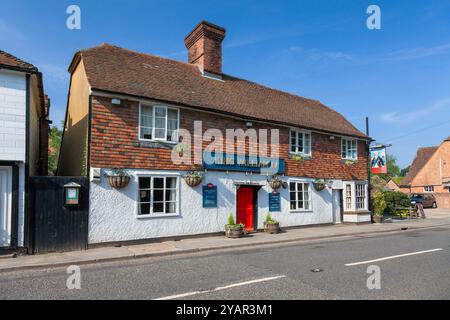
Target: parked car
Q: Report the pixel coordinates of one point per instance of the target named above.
(427, 200)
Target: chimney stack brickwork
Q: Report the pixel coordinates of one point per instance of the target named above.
(204, 46)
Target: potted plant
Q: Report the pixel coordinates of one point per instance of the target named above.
(297, 158)
(275, 182)
(379, 206)
(233, 230)
(180, 148)
(118, 178)
(349, 163)
(194, 178)
(319, 184)
(270, 225)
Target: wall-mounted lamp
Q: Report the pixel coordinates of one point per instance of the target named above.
(330, 184)
(332, 137)
(249, 124)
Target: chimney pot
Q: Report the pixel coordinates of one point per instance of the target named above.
(204, 45)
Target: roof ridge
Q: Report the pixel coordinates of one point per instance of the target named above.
(104, 44)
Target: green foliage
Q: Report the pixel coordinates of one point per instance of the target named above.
(395, 199)
(398, 180)
(270, 220)
(386, 202)
(231, 220)
(379, 203)
(404, 171)
(54, 145)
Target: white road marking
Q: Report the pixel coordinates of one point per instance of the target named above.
(392, 257)
(234, 285)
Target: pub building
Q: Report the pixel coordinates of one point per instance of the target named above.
(125, 110)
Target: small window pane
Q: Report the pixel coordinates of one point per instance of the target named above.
(171, 183)
(160, 133)
(171, 207)
(158, 207)
(144, 208)
(144, 183)
(158, 195)
(158, 183)
(144, 196)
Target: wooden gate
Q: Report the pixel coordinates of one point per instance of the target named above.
(57, 227)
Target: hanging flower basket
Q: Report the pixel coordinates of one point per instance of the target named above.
(319, 185)
(193, 178)
(349, 163)
(275, 182)
(118, 179)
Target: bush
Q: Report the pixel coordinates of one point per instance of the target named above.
(385, 202)
(379, 203)
(395, 199)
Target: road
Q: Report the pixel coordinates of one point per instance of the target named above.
(413, 264)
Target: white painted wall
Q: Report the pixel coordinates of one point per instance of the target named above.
(113, 213)
(12, 116)
(12, 130)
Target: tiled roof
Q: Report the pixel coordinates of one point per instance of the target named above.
(422, 157)
(113, 69)
(8, 60)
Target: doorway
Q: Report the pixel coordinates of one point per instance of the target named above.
(5, 206)
(246, 207)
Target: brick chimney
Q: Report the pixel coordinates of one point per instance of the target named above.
(204, 44)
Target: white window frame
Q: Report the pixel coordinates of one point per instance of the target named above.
(154, 106)
(158, 214)
(428, 189)
(352, 187)
(361, 185)
(299, 132)
(310, 209)
(345, 141)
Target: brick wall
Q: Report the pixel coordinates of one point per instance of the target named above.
(435, 172)
(114, 143)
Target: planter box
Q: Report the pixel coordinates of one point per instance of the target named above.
(234, 232)
(378, 219)
(272, 228)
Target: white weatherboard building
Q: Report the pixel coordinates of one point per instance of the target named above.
(23, 114)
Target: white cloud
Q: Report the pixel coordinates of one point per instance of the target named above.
(316, 55)
(418, 53)
(408, 117)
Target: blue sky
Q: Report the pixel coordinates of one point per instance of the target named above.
(398, 76)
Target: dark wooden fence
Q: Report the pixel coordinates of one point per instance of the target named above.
(57, 227)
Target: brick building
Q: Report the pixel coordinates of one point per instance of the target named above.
(126, 110)
(430, 173)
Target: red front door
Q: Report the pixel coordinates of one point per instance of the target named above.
(245, 208)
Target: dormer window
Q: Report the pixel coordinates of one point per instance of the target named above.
(300, 142)
(159, 123)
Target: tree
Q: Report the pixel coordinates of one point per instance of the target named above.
(54, 145)
(405, 171)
